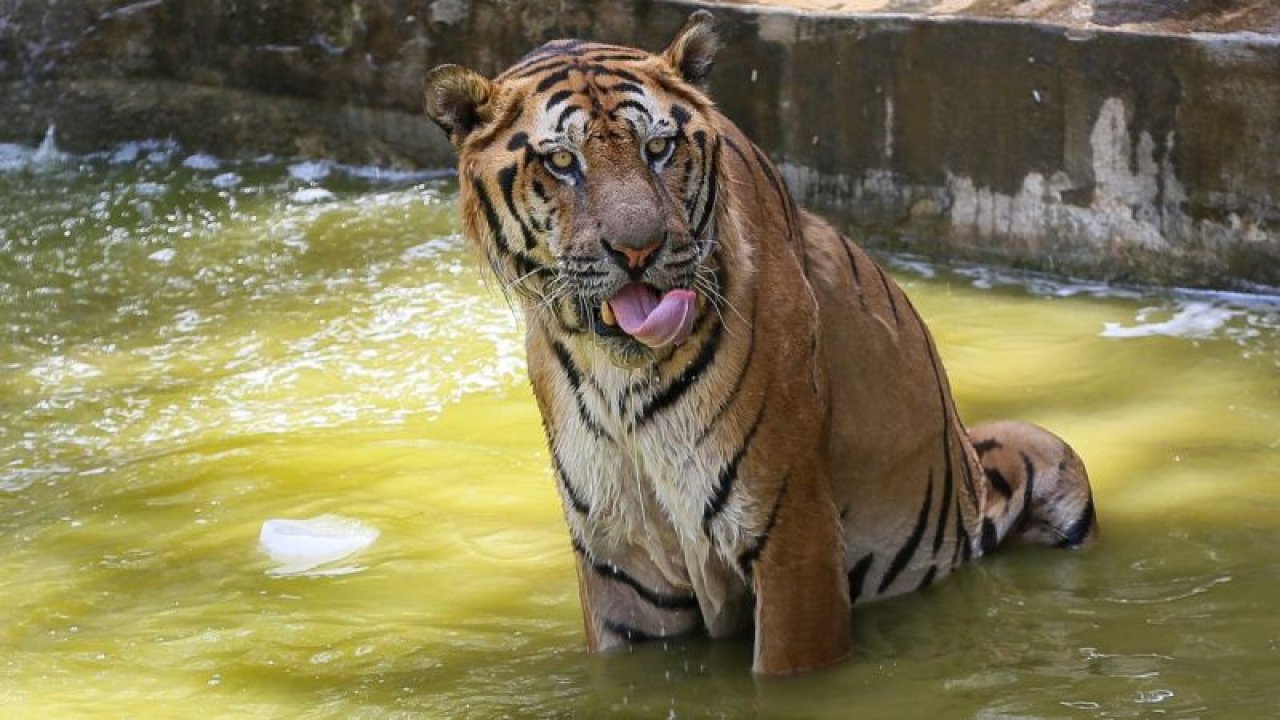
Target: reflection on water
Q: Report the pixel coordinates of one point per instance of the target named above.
(198, 348)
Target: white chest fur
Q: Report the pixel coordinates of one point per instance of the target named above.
(645, 482)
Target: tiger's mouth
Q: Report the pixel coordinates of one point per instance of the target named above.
(642, 313)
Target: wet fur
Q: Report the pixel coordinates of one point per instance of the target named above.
(800, 452)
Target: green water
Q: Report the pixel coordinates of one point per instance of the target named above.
(190, 352)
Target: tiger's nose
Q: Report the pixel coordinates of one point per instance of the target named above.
(634, 258)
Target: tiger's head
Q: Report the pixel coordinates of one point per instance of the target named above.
(588, 177)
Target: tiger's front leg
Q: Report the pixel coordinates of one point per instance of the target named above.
(626, 600)
(802, 594)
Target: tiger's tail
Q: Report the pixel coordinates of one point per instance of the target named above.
(1037, 488)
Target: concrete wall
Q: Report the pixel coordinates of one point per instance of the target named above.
(1148, 156)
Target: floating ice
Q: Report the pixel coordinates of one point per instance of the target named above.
(1193, 320)
(301, 547)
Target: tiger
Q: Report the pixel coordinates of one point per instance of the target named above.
(748, 424)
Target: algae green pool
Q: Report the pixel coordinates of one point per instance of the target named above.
(196, 350)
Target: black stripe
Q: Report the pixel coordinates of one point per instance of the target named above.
(627, 87)
(540, 191)
(677, 388)
(996, 479)
(848, 246)
(787, 203)
(948, 496)
(632, 104)
(526, 266)
(627, 632)
(948, 470)
(990, 539)
(947, 410)
(985, 446)
(927, 580)
(737, 149)
(496, 127)
(556, 98)
(712, 174)
(616, 56)
(659, 600)
(517, 141)
(888, 291)
(490, 214)
(776, 182)
(677, 88)
(551, 80)
(507, 183)
(565, 114)
(700, 140)
(858, 575)
(913, 541)
(613, 71)
(560, 50)
(1080, 528)
(574, 498)
(1025, 516)
(748, 557)
(680, 115)
(574, 376)
(962, 537)
(519, 72)
(729, 476)
(732, 396)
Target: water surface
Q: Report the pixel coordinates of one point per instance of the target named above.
(194, 347)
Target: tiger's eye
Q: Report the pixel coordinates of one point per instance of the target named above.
(657, 146)
(562, 159)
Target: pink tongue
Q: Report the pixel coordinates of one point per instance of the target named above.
(654, 322)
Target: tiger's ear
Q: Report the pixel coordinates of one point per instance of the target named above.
(456, 100)
(694, 49)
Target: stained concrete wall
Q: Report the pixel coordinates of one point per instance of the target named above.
(1149, 154)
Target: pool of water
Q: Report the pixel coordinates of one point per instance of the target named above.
(195, 349)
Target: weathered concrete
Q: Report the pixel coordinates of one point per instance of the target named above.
(1107, 138)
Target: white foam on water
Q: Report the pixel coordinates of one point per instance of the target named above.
(432, 249)
(312, 195)
(912, 264)
(125, 154)
(226, 181)
(48, 155)
(14, 158)
(165, 255)
(310, 171)
(373, 173)
(201, 161)
(304, 547)
(1195, 320)
(150, 189)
